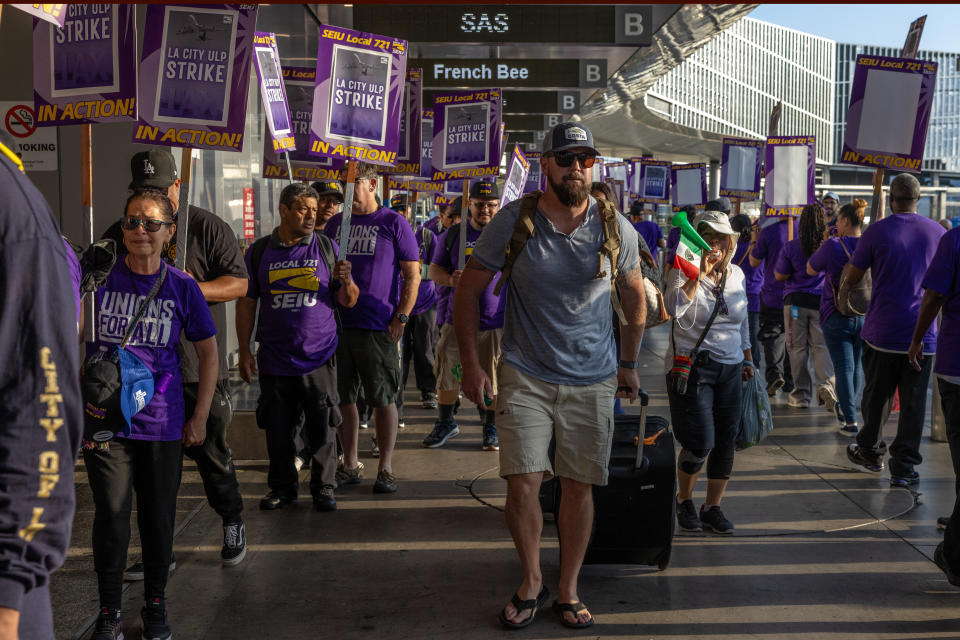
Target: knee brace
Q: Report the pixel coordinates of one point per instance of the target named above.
(690, 462)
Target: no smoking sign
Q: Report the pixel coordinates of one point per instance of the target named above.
(36, 146)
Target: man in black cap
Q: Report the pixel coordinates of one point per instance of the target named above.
(721, 204)
(330, 197)
(215, 261)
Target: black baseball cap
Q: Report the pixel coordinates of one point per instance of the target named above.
(457, 205)
(398, 201)
(484, 190)
(720, 204)
(636, 209)
(328, 188)
(155, 168)
(568, 135)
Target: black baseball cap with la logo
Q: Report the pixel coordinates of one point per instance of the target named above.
(568, 135)
(155, 168)
(484, 190)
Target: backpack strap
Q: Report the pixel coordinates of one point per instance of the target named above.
(522, 231)
(145, 305)
(611, 249)
(451, 236)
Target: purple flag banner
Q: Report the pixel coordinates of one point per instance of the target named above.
(426, 144)
(298, 84)
(358, 97)
(266, 60)
(414, 183)
(466, 134)
(654, 181)
(535, 177)
(790, 174)
(516, 176)
(740, 168)
(194, 75)
(688, 184)
(890, 103)
(52, 13)
(86, 71)
(409, 153)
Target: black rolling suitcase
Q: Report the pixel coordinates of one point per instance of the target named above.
(635, 514)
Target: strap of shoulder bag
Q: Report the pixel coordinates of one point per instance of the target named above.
(146, 304)
(706, 327)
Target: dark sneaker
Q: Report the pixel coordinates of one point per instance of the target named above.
(386, 483)
(325, 501)
(942, 522)
(490, 440)
(349, 476)
(134, 572)
(154, 619)
(952, 576)
(774, 386)
(714, 520)
(276, 500)
(839, 413)
(109, 625)
(429, 400)
(908, 480)
(687, 516)
(849, 430)
(443, 430)
(234, 544)
(858, 456)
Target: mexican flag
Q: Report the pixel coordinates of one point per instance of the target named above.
(687, 258)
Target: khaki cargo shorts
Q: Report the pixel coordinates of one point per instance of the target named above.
(448, 355)
(530, 412)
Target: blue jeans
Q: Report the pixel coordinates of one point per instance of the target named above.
(842, 335)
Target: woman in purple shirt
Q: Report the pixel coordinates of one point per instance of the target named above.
(801, 306)
(840, 332)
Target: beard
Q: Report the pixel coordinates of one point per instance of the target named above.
(571, 190)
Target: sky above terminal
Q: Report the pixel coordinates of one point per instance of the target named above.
(873, 24)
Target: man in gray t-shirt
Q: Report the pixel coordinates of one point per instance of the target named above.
(559, 372)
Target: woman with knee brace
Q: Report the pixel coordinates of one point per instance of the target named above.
(707, 358)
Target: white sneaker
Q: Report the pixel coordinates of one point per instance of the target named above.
(798, 404)
(827, 397)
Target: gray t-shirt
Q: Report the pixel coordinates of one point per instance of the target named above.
(558, 326)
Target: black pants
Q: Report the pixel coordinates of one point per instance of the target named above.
(419, 342)
(152, 469)
(706, 417)
(214, 458)
(773, 337)
(950, 401)
(282, 400)
(884, 374)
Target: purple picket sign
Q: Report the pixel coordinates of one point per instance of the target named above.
(791, 187)
(86, 71)
(298, 84)
(740, 167)
(195, 75)
(409, 153)
(516, 176)
(266, 60)
(535, 177)
(688, 184)
(654, 181)
(890, 104)
(414, 183)
(633, 177)
(466, 134)
(55, 14)
(426, 145)
(358, 97)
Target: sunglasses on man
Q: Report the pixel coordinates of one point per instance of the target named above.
(565, 158)
(148, 224)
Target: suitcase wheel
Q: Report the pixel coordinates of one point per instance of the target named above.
(663, 559)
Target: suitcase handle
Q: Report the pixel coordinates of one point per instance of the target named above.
(641, 394)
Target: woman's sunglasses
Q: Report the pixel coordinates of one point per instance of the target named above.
(565, 159)
(150, 225)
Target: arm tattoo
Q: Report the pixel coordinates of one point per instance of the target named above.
(628, 278)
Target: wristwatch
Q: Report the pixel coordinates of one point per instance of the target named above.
(629, 364)
(403, 318)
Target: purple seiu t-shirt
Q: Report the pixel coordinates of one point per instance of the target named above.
(942, 278)
(296, 329)
(769, 241)
(752, 277)
(651, 233)
(178, 305)
(76, 276)
(491, 305)
(379, 242)
(427, 293)
(831, 259)
(897, 250)
(792, 262)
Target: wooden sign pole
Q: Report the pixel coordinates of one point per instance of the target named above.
(465, 210)
(183, 209)
(86, 199)
(344, 236)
